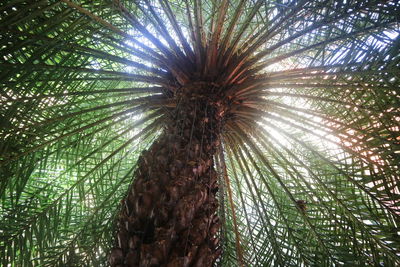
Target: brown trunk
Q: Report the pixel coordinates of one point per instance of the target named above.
(169, 216)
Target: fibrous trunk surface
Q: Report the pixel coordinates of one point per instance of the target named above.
(169, 216)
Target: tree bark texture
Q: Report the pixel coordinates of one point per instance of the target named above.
(169, 216)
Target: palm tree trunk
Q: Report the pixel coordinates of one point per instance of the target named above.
(169, 216)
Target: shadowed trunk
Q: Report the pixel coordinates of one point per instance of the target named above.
(169, 216)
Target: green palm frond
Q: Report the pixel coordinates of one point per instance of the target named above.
(309, 160)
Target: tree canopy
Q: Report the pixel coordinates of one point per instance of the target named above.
(308, 165)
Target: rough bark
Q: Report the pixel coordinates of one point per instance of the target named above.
(169, 216)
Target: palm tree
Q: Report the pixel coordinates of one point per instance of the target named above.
(197, 132)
